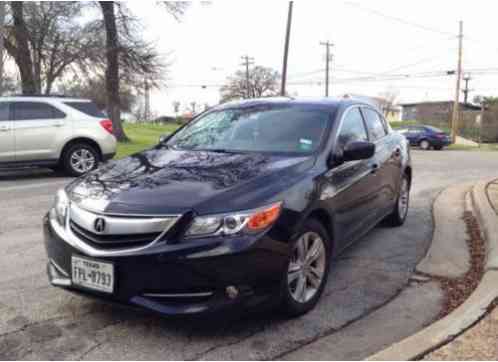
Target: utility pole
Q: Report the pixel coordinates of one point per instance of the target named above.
(456, 106)
(328, 58)
(247, 62)
(466, 90)
(2, 47)
(286, 50)
(481, 121)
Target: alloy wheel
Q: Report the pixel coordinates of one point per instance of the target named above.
(404, 198)
(307, 267)
(82, 160)
(425, 145)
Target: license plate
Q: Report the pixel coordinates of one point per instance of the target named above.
(92, 274)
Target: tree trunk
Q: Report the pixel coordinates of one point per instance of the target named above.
(2, 46)
(112, 70)
(23, 58)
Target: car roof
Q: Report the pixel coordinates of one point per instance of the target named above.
(327, 102)
(38, 98)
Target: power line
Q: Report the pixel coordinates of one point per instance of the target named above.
(398, 20)
(376, 77)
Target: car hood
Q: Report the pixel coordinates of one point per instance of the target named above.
(163, 181)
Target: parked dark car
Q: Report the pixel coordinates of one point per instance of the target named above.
(244, 206)
(426, 137)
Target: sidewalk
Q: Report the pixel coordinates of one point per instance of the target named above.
(480, 341)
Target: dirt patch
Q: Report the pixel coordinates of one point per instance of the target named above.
(457, 290)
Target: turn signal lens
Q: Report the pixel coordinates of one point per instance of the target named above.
(263, 219)
(107, 125)
(234, 223)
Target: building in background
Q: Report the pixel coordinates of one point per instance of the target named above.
(433, 111)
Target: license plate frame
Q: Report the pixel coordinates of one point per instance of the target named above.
(92, 274)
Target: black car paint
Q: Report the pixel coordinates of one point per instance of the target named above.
(348, 198)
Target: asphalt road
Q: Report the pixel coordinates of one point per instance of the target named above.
(366, 304)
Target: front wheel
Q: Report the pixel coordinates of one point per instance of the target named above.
(307, 271)
(398, 216)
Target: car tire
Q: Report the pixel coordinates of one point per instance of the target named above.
(400, 212)
(438, 148)
(424, 145)
(79, 159)
(307, 270)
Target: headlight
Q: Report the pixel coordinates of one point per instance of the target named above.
(61, 205)
(233, 223)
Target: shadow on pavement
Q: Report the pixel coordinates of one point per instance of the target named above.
(14, 174)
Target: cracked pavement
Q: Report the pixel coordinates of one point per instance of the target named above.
(365, 307)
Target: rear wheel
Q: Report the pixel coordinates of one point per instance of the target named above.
(307, 270)
(398, 216)
(79, 159)
(425, 145)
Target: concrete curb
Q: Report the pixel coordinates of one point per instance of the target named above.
(448, 255)
(444, 330)
(488, 221)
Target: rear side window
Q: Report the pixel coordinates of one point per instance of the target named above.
(352, 129)
(89, 108)
(25, 111)
(375, 124)
(4, 111)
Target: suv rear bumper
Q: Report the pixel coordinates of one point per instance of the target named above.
(108, 156)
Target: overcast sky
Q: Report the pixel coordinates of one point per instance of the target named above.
(372, 38)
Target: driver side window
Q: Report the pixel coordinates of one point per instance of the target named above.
(352, 129)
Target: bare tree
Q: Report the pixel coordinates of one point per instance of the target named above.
(125, 50)
(263, 82)
(19, 48)
(54, 39)
(387, 100)
(112, 69)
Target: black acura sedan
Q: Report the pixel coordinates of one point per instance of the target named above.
(245, 205)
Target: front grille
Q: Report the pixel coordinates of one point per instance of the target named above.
(117, 233)
(112, 241)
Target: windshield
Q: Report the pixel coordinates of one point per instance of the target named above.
(289, 129)
(434, 129)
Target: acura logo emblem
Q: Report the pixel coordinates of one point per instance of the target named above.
(99, 225)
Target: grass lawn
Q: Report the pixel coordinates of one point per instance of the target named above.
(484, 147)
(142, 136)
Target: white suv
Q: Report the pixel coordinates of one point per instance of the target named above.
(56, 132)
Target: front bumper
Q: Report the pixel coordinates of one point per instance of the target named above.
(181, 279)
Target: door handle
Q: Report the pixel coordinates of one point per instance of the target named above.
(4, 129)
(58, 124)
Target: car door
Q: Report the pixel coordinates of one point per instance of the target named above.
(386, 158)
(7, 146)
(350, 186)
(36, 126)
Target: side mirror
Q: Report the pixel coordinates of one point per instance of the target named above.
(358, 150)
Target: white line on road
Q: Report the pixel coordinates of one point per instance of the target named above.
(32, 186)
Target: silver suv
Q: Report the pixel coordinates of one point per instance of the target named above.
(56, 132)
